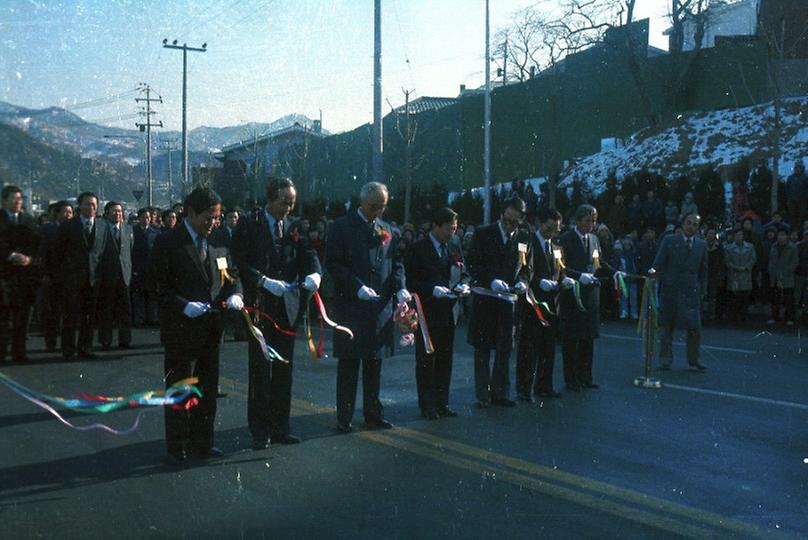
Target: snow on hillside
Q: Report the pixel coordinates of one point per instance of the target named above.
(718, 138)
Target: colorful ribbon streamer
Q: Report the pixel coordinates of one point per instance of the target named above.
(181, 395)
(324, 316)
(576, 292)
(269, 318)
(315, 351)
(269, 353)
(507, 297)
(422, 324)
(532, 302)
(620, 285)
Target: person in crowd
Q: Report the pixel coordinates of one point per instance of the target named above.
(368, 274)
(653, 212)
(681, 267)
(716, 271)
(634, 213)
(617, 217)
(499, 261)
(81, 243)
(608, 303)
(435, 272)
(689, 206)
(20, 273)
(271, 263)
(797, 194)
(763, 248)
(647, 251)
(52, 282)
(740, 258)
(144, 301)
(783, 261)
(627, 263)
(580, 327)
(231, 219)
(116, 275)
(671, 213)
(189, 267)
(801, 278)
(169, 219)
(535, 355)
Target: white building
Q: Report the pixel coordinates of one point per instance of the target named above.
(736, 19)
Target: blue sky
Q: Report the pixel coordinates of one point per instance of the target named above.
(265, 59)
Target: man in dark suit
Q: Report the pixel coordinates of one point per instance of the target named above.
(144, 302)
(681, 266)
(116, 275)
(580, 327)
(196, 280)
(499, 260)
(535, 356)
(435, 271)
(19, 272)
(52, 283)
(271, 264)
(363, 259)
(80, 247)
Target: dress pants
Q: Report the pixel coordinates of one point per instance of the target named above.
(52, 312)
(192, 430)
(433, 372)
(270, 385)
(14, 329)
(535, 359)
(347, 378)
(577, 354)
(115, 307)
(80, 304)
(693, 338)
(491, 384)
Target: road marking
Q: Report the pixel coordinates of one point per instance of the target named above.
(685, 520)
(793, 405)
(708, 347)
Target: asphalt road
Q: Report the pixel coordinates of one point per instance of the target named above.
(716, 454)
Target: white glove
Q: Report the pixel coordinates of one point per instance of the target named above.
(235, 302)
(366, 293)
(547, 285)
(312, 282)
(498, 285)
(567, 283)
(587, 279)
(440, 292)
(403, 296)
(274, 286)
(520, 287)
(195, 309)
(463, 289)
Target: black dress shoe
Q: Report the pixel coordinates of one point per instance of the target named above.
(523, 397)
(573, 388)
(220, 394)
(285, 439)
(503, 402)
(344, 427)
(209, 453)
(446, 412)
(378, 424)
(176, 459)
(260, 445)
(550, 394)
(698, 366)
(592, 386)
(430, 414)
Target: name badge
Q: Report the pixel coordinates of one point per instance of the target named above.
(557, 254)
(595, 254)
(221, 263)
(522, 247)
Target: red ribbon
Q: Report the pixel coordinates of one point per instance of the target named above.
(263, 315)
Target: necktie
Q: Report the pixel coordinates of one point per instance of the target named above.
(444, 253)
(116, 233)
(278, 235)
(15, 218)
(689, 244)
(201, 248)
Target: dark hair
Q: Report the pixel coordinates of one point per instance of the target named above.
(444, 215)
(10, 190)
(201, 199)
(276, 185)
(58, 206)
(141, 211)
(86, 194)
(516, 203)
(235, 209)
(546, 214)
(585, 210)
(166, 213)
(110, 204)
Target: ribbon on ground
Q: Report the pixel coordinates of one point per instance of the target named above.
(315, 351)
(324, 316)
(422, 324)
(269, 353)
(576, 292)
(533, 303)
(181, 395)
(507, 297)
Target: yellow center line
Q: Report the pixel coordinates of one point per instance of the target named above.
(546, 480)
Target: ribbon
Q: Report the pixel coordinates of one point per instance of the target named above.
(315, 351)
(224, 276)
(620, 285)
(269, 353)
(267, 317)
(576, 292)
(324, 316)
(181, 395)
(422, 324)
(508, 297)
(532, 302)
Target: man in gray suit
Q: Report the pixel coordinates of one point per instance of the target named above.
(116, 275)
(681, 266)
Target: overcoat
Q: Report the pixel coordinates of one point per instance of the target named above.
(682, 275)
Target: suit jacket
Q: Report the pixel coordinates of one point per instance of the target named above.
(117, 263)
(492, 320)
(544, 266)
(426, 270)
(255, 254)
(18, 284)
(577, 324)
(181, 278)
(141, 253)
(682, 275)
(80, 257)
(355, 256)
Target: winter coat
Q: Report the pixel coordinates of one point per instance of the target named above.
(682, 274)
(740, 261)
(782, 264)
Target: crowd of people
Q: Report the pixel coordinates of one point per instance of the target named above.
(527, 281)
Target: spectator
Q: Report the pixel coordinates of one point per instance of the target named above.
(647, 251)
(671, 213)
(627, 263)
(783, 261)
(652, 211)
(634, 213)
(689, 206)
(740, 260)
(763, 250)
(797, 194)
(715, 274)
(169, 220)
(617, 216)
(801, 277)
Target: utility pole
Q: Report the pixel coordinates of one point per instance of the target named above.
(505, 65)
(184, 48)
(377, 142)
(408, 160)
(487, 122)
(168, 147)
(146, 126)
